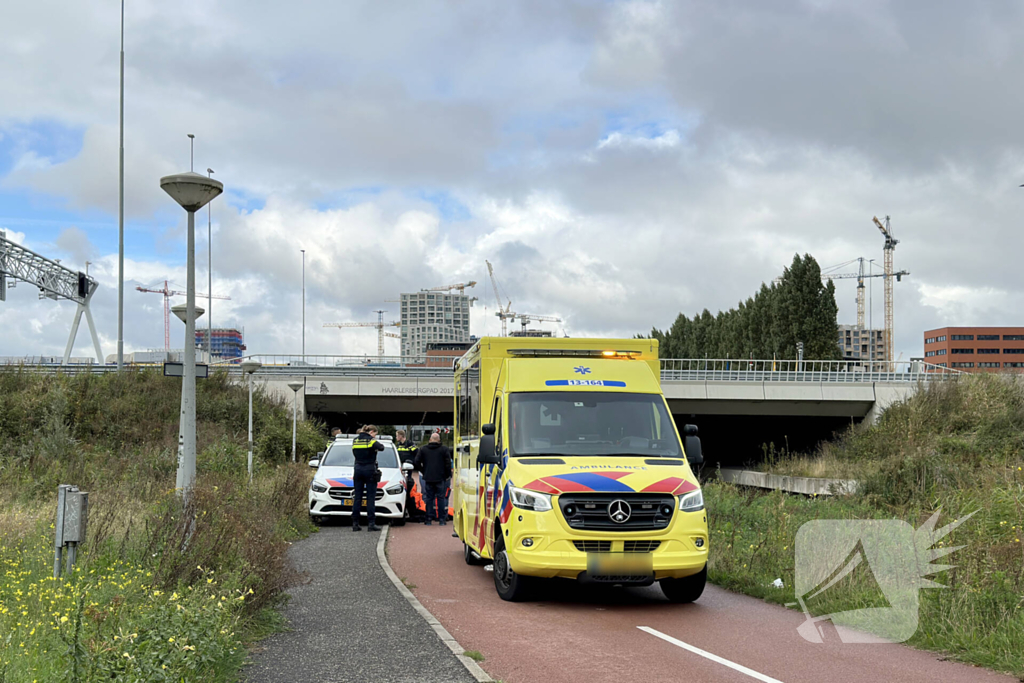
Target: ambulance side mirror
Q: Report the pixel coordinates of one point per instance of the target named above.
(486, 454)
(694, 455)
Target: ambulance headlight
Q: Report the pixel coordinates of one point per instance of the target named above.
(317, 487)
(394, 489)
(530, 500)
(692, 502)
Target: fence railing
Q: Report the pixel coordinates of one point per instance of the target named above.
(672, 369)
(725, 369)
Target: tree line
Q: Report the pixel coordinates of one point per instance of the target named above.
(797, 307)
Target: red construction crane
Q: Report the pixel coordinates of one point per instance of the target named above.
(168, 293)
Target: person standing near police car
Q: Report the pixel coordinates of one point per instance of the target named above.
(406, 448)
(365, 476)
(434, 463)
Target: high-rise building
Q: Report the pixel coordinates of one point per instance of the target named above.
(428, 317)
(861, 344)
(976, 349)
(227, 342)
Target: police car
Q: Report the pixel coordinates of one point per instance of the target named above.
(331, 491)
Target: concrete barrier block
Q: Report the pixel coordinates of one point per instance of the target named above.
(778, 482)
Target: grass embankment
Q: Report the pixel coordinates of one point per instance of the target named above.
(160, 592)
(957, 446)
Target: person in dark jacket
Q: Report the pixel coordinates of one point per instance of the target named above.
(364, 476)
(434, 462)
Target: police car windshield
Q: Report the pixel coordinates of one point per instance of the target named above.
(340, 455)
(590, 423)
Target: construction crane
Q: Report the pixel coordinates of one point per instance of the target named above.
(526, 318)
(380, 325)
(168, 293)
(504, 312)
(460, 286)
(887, 250)
(860, 276)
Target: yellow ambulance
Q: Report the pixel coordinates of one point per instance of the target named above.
(568, 464)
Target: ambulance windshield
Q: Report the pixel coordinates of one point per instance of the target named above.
(590, 423)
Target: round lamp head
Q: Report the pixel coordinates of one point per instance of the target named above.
(192, 190)
(295, 386)
(181, 310)
(251, 366)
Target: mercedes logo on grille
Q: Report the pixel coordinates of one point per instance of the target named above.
(619, 511)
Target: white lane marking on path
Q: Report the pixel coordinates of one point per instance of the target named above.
(713, 657)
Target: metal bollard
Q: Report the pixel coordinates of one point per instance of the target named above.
(70, 525)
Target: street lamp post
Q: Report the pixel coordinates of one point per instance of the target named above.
(295, 386)
(120, 215)
(871, 324)
(303, 306)
(249, 367)
(192, 191)
(209, 277)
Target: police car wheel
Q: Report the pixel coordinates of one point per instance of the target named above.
(686, 589)
(400, 521)
(510, 586)
(318, 520)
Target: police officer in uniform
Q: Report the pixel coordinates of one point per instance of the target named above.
(406, 449)
(364, 449)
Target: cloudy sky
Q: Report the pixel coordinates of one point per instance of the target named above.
(617, 162)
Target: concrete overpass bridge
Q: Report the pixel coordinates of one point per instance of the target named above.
(739, 406)
(791, 404)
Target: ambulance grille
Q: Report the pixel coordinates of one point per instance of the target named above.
(640, 546)
(589, 511)
(593, 546)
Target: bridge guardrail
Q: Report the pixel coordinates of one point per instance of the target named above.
(732, 370)
(672, 369)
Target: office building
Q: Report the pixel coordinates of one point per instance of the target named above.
(860, 344)
(432, 317)
(976, 349)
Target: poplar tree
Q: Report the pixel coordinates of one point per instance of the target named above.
(796, 308)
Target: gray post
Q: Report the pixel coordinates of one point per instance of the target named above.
(58, 543)
(250, 426)
(187, 464)
(303, 306)
(295, 417)
(120, 217)
(209, 278)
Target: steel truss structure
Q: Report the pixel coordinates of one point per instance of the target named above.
(54, 282)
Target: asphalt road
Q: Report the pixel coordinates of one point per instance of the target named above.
(578, 635)
(350, 623)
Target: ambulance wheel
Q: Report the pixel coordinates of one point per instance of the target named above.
(471, 559)
(686, 589)
(510, 586)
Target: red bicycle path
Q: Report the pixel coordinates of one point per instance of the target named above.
(576, 634)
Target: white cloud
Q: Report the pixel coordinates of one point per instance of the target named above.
(617, 162)
(666, 140)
